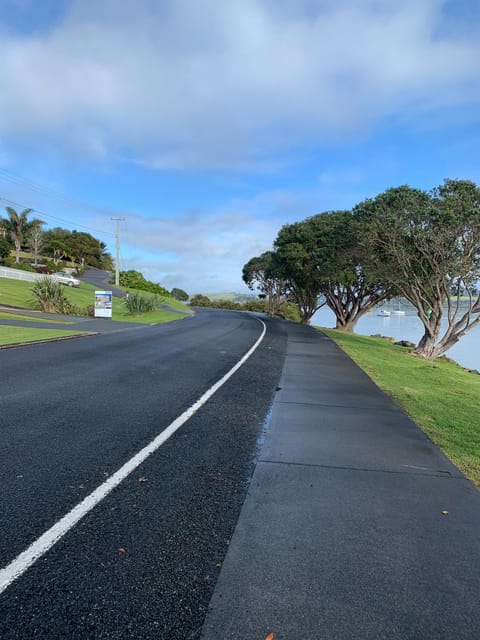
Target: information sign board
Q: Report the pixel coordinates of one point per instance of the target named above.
(103, 304)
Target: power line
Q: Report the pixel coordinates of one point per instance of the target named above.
(63, 220)
(38, 188)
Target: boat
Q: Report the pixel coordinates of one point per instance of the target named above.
(398, 311)
(384, 313)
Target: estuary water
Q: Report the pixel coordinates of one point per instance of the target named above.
(408, 327)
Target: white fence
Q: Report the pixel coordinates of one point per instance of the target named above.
(18, 274)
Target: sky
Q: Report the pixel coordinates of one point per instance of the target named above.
(209, 124)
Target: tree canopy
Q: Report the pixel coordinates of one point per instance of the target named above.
(297, 262)
(78, 246)
(423, 246)
(263, 272)
(428, 246)
(179, 294)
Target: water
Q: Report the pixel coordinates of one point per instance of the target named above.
(408, 327)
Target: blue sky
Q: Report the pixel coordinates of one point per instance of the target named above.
(209, 124)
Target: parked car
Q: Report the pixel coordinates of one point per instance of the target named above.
(66, 278)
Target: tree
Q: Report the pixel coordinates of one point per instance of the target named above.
(85, 249)
(56, 244)
(199, 300)
(349, 283)
(263, 272)
(296, 263)
(36, 241)
(179, 294)
(78, 246)
(18, 226)
(428, 246)
(325, 262)
(5, 247)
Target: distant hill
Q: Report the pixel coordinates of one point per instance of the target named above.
(234, 297)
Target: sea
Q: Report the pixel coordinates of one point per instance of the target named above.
(406, 327)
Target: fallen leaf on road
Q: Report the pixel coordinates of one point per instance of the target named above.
(444, 512)
(271, 636)
(122, 550)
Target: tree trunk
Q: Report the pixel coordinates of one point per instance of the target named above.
(426, 346)
(17, 251)
(346, 325)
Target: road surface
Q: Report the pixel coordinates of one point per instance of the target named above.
(143, 563)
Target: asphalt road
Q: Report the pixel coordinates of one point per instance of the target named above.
(144, 562)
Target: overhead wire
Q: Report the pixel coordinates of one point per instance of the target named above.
(48, 215)
(38, 189)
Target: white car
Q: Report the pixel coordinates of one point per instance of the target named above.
(66, 278)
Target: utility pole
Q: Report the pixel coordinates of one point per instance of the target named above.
(117, 259)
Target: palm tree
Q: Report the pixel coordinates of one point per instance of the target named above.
(18, 225)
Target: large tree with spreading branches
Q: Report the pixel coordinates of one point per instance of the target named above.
(427, 245)
(262, 272)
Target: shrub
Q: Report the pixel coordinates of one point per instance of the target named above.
(179, 294)
(53, 268)
(199, 300)
(135, 280)
(138, 304)
(49, 296)
(24, 266)
(9, 261)
(40, 268)
(5, 247)
(256, 305)
(289, 311)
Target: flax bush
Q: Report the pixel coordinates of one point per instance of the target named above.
(48, 296)
(138, 304)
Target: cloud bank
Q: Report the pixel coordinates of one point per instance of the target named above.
(202, 84)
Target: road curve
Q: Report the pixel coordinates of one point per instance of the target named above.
(144, 562)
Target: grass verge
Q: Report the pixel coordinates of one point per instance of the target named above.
(440, 396)
(22, 317)
(19, 335)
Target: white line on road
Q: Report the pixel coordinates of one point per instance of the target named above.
(37, 549)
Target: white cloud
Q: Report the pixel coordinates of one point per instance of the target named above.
(200, 252)
(204, 84)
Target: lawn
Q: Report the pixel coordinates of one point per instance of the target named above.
(440, 396)
(15, 335)
(18, 316)
(17, 293)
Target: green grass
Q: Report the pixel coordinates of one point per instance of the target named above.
(18, 335)
(440, 396)
(166, 300)
(17, 293)
(18, 316)
(120, 312)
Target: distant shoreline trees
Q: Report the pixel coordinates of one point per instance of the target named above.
(424, 246)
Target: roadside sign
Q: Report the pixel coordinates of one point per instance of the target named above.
(103, 304)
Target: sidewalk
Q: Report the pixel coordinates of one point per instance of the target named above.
(342, 535)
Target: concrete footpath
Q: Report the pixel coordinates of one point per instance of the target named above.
(355, 525)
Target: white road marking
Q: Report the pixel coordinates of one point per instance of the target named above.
(37, 549)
